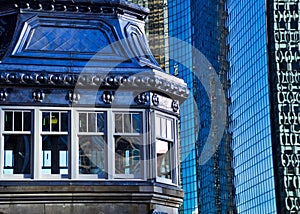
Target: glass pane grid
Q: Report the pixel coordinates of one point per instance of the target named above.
(53, 121)
(128, 123)
(17, 121)
(92, 122)
(164, 128)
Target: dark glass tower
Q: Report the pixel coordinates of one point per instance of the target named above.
(284, 70)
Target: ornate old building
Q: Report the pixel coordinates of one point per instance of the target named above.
(89, 121)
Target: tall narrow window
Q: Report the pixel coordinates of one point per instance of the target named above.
(165, 146)
(55, 138)
(128, 144)
(17, 142)
(92, 143)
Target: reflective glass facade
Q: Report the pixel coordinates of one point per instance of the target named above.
(180, 61)
(249, 110)
(215, 176)
(207, 186)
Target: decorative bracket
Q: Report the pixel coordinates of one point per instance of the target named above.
(155, 99)
(73, 96)
(38, 95)
(107, 97)
(175, 105)
(142, 98)
(3, 95)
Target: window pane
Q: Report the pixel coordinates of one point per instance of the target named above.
(136, 123)
(8, 121)
(92, 122)
(55, 121)
(100, 122)
(92, 155)
(118, 123)
(127, 155)
(18, 121)
(163, 156)
(54, 154)
(27, 121)
(82, 122)
(157, 126)
(169, 129)
(127, 123)
(46, 121)
(17, 150)
(163, 128)
(64, 122)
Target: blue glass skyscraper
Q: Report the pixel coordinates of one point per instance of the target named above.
(249, 110)
(264, 111)
(208, 185)
(262, 52)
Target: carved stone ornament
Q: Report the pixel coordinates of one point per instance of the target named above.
(73, 96)
(142, 98)
(107, 97)
(175, 105)
(155, 99)
(38, 95)
(3, 95)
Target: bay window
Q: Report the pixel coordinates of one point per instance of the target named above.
(71, 143)
(83, 143)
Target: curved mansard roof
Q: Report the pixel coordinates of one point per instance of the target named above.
(63, 43)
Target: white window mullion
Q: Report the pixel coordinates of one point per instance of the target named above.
(74, 147)
(37, 145)
(176, 144)
(110, 146)
(144, 145)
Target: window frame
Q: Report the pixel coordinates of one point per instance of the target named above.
(39, 142)
(78, 133)
(143, 147)
(173, 150)
(12, 132)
